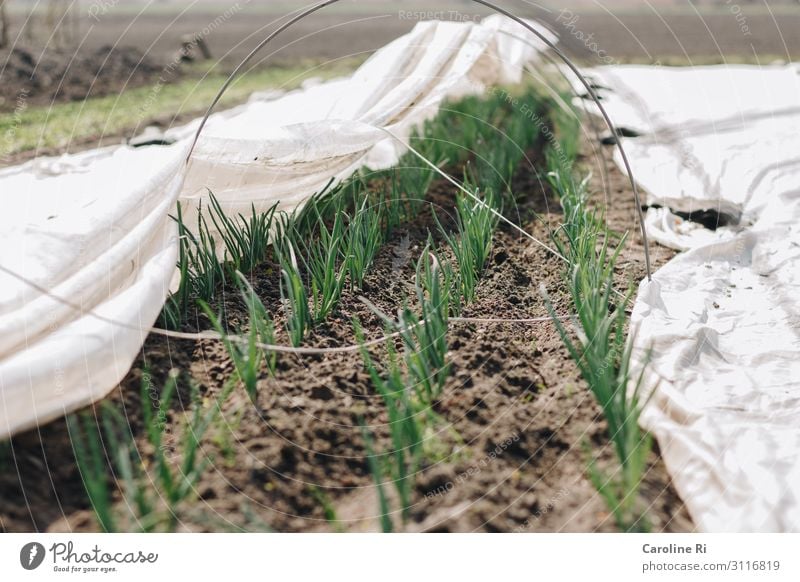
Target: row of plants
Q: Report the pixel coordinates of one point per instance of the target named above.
(155, 476)
(414, 375)
(328, 247)
(322, 250)
(597, 340)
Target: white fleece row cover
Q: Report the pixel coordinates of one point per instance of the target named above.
(87, 248)
(722, 320)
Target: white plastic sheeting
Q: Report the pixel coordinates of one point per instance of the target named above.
(722, 320)
(89, 235)
(689, 117)
(92, 230)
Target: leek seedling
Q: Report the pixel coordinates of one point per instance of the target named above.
(293, 295)
(414, 180)
(87, 446)
(324, 204)
(405, 425)
(327, 507)
(246, 240)
(324, 262)
(600, 351)
(425, 338)
(178, 303)
(472, 243)
(206, 271)
(396, 211)
(260, 321)
(409, 397)
(377, 471)
(604, 362)
(364, 237)
(177, 484)
(103, 455)
(248, 357)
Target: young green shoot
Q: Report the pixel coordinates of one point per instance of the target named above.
(405, 427)
(325, 264)
(109, 456)
(248, 357)
(293, 294)
(246, 239)
(472, 243)
(364, 237)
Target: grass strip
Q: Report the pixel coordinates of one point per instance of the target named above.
(62, 124)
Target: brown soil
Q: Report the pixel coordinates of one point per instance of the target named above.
(30, 78)
(518, 416)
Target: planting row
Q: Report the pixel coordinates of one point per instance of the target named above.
(142, 479)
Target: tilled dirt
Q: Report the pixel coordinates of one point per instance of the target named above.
(518, 419)
(43, 78)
